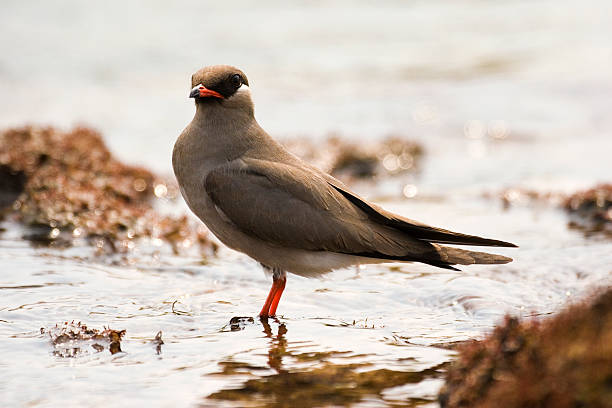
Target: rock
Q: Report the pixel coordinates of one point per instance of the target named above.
(563, 361)
(68, 184)
(12, 184)
(591, 210)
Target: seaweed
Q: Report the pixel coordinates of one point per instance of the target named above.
(591, 210)
(65, 185)
(561, 362)
(70, 339)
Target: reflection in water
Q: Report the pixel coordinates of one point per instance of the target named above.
(312, 379)
(158, 342)
(278, 344)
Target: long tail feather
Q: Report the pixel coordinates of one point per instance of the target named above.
(464, 257)
(417, 230)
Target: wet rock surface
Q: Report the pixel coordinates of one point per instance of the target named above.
(12, 184)
(563, 361)
(66, 185)
(591, 210)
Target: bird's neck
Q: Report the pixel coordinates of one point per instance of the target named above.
(219, 132)
(218, 117)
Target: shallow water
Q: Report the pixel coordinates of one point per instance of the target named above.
(329, 345)
(500, 94)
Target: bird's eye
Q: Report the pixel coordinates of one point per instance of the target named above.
(236, 80)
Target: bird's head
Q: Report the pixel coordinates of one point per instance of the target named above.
(221, 84)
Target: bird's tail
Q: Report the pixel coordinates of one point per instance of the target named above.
(458, 256)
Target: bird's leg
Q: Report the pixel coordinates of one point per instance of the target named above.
(282, 281)
(279, 279)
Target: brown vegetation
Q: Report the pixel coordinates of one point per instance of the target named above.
(561, 362)
(349, 160)
(67, 184)
(591, 209)
(73, 339)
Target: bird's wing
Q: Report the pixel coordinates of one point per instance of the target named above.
(300, 207)
(296, 207)
(415, 229)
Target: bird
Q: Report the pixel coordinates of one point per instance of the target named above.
(259, 199)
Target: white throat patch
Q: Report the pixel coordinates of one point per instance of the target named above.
(243, 88)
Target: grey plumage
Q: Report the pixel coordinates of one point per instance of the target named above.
(259, 199)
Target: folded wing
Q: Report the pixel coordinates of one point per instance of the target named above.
(298, 207)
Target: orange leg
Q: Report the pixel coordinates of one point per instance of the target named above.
(279, 279)
(277, 296)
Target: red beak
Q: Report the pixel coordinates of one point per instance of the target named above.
(202, 92)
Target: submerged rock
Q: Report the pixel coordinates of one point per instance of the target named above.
(591, 210)
(68, 184)
(350, 160)
(561, 362)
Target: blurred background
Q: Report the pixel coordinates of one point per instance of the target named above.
(462, 77)
(499, 94)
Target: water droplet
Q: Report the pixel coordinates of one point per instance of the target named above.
(406, 161)
(139, 185)
(391, 162)
(160, 190)
(474, 129)
(498, 129)
(410, 190)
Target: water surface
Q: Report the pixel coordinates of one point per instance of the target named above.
(500, 94)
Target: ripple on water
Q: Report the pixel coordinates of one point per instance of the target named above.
(374, 336)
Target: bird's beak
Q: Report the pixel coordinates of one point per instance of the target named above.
(200, 91)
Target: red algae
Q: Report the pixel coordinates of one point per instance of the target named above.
(561, 362)
(69, 183)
